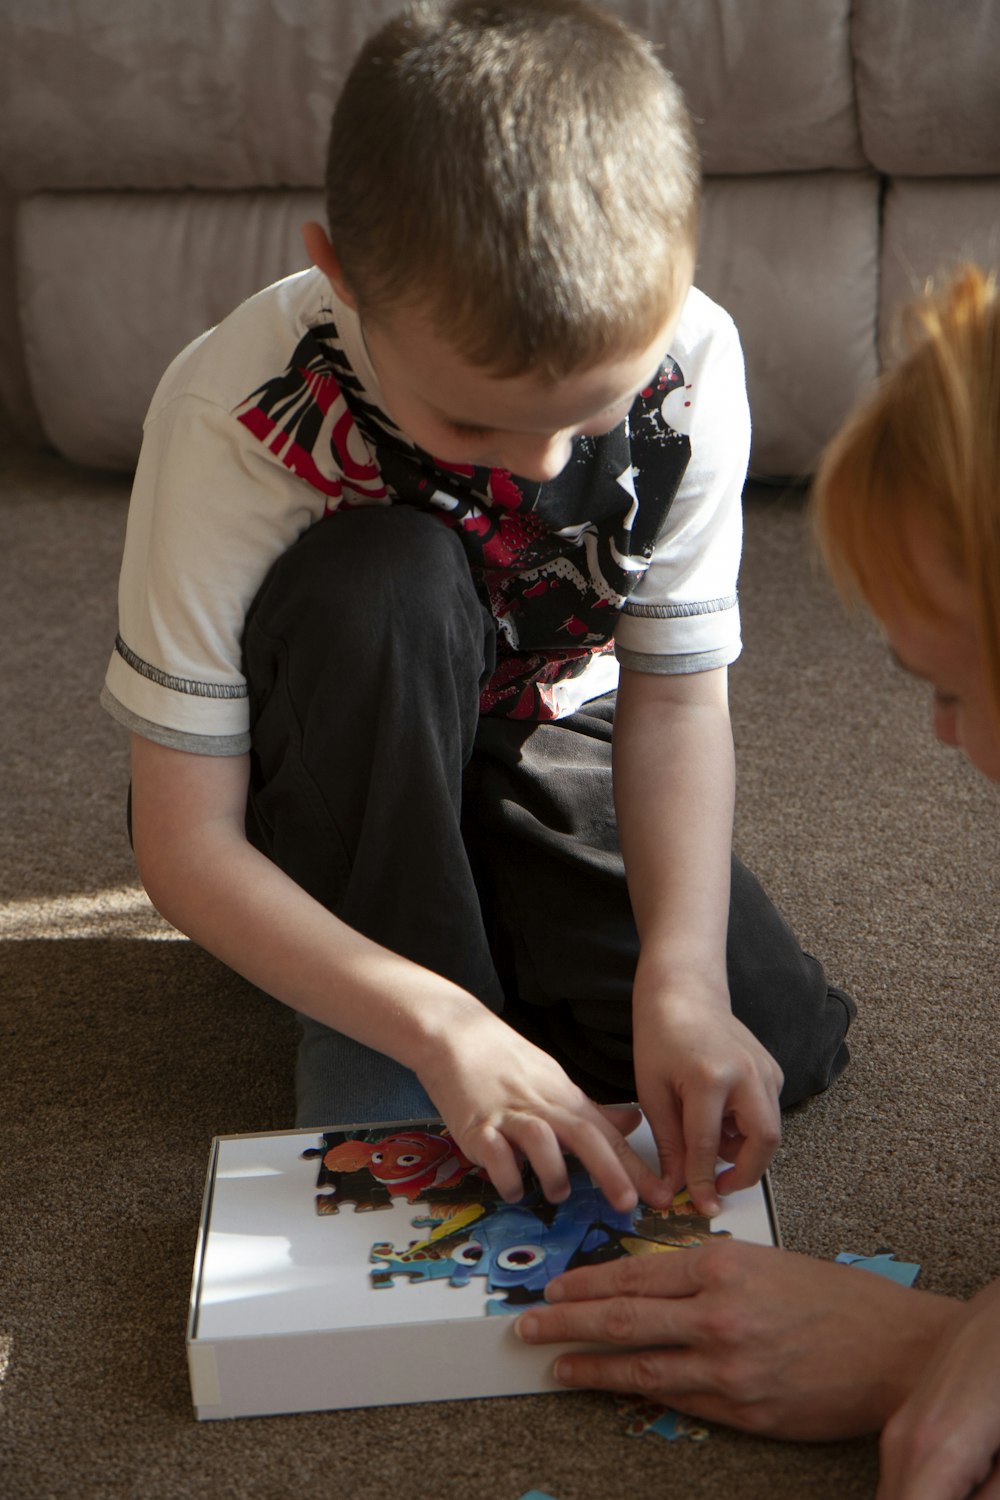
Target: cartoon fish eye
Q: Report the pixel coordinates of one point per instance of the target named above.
(407, 1159)
(520, 1257)
(468, 1254)
(378, 1157)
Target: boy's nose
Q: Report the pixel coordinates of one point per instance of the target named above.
(539, 458)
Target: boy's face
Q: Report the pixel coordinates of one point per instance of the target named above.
(944, 648)
(463, 415)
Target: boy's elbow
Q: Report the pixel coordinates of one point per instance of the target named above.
(187, 821)
(155, 870)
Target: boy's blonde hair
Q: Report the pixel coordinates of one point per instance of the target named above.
(523, 170)
(925, 448)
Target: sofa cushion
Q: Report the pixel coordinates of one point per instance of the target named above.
(931, 225)
(113, 285)
(927, 85)
(794, 258)
(770, 86)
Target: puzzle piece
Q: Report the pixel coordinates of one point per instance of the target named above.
(883, 1263)
(371, 1167)
(433, 1257)
(650, 1416)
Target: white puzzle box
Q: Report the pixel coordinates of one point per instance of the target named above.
(372, 1265)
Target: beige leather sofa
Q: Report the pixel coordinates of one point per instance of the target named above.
(156, 160)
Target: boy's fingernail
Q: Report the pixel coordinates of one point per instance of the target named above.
(553, 1292)
(526, 1327)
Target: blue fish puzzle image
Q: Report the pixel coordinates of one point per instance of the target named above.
(520, 1247)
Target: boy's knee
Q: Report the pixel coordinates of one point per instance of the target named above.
(365, 577)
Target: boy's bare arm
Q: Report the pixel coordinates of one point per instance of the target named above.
(499, 1095)
(706, 1084)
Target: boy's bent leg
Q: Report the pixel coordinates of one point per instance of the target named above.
(781, 993)
(363, 652)
(550, 864)
(340, 1082)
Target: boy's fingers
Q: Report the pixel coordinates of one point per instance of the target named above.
(761, 1139)
(495, 1154)
(537, 1140)
(650, 1188)
(624, 1117)
(619, 1172)
(702, 1131)
(668, 1134)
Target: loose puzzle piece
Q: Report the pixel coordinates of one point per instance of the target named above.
(649, 1416)
(883, 1263)
(536, 1495)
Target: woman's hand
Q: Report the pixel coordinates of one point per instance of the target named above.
(943, 1442)
(758, 1338)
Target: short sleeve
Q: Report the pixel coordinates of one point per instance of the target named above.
(209, 514)
(683, 615)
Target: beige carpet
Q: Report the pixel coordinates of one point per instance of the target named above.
(124, 1050)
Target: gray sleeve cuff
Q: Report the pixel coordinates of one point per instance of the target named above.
(174, 739)
(678, 664)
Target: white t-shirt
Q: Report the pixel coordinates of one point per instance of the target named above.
(270, 421)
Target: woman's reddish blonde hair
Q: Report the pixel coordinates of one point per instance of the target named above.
(924, 449)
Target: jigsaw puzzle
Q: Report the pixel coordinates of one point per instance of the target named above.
(470, 1231)
(370, 1167)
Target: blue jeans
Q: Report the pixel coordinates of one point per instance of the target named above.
(483, 848)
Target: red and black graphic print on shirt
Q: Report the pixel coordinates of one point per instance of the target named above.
(555, 561)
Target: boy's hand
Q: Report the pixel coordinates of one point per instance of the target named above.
(708, 1089)
(502, 1098)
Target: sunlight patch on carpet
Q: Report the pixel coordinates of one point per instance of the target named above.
(125, 912)
(6, 1350)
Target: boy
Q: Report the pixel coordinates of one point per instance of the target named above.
(388, 519)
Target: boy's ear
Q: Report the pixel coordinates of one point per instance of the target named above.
(320, 251)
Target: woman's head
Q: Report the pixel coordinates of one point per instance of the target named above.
(907, 508)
